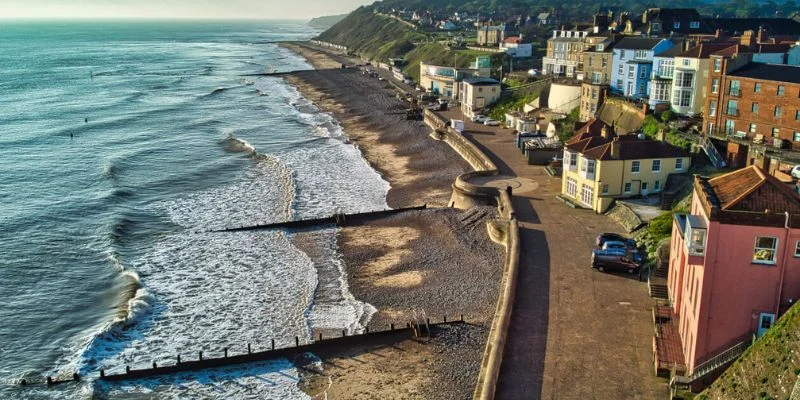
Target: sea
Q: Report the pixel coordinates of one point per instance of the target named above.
(125, 147)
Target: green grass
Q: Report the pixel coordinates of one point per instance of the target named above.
(498, 110)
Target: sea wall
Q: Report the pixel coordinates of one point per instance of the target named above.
(504, 230)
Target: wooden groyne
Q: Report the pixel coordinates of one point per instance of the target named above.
(245, 354)
(337, 219)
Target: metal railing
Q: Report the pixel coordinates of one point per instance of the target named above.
(713, 364)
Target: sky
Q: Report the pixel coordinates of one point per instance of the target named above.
(170, 9)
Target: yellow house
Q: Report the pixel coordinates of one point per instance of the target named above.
(600, 166)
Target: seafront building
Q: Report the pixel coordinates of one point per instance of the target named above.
(754, 108)
(564, 51)
(476, 94)
(734, 267)
(690, 78)
(632, 64)
(595, 76)
(444, 80)
(600, 166)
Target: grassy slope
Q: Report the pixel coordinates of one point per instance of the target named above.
(767, 370)
(377, 38)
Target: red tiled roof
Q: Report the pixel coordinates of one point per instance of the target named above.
(513, 39)
(750, 189)
(704, 50)
(590, 142)
(730, 51)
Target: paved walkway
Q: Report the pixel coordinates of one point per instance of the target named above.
(575, 333)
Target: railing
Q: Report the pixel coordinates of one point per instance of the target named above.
(713, 364)
(712, 152)
(736, 92)
(732, 112)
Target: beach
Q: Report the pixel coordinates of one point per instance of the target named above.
(439, 260)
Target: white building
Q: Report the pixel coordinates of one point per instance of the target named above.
(477, 93)
(514, 47)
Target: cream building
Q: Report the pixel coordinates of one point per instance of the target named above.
(477, 93)
(444, 80)
(600, 166)
(690, 78)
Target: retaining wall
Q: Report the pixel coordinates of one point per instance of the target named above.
(504, 231)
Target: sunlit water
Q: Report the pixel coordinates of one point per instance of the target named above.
(121, 144)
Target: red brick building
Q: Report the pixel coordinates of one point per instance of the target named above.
(754, 108)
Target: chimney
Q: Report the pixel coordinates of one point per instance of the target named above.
(604, 132)
(762, 35)
(662, 135)
(615, 148)
(645, 108)
(718, 33)
(747, 38)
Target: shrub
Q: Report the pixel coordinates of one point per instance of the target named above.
(667, 116)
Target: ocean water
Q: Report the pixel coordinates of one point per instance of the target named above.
(120, 144)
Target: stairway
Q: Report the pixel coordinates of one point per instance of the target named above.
(712, 153)
(657, 283)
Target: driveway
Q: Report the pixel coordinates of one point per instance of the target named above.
(575, 333)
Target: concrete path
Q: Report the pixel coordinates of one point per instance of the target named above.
(575, 333)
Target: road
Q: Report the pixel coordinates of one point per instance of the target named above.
(575, 333)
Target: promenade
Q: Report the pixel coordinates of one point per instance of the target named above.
(575, 333)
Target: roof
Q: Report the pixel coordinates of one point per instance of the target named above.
(772, 47)
(590, 142)
(769, 72)
(750, 189)
(481, 81)
(731, 50)
(637, 43)
(704, 50)
(513, 39)
(775, 26)
(543, 15)
(670, 52)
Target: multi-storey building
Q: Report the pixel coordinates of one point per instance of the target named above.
(444, 80)
(477, 93)
(661, 78)
(754, 107)
(492, 35)
(596, 76)
(734, 267)
(690, 77)
(632, 64)
(600, 166)
(564, 51)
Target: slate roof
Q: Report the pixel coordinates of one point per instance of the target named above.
(704, 50)
(769, 72)
(750, 189)
(775, 26)
(637, 43)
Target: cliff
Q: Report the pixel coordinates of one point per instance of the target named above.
(326, 21)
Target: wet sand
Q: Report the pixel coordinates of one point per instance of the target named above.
(437, 260)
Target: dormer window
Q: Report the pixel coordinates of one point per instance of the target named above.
(694, 24)
(676, 25)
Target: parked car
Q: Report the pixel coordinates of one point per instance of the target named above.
(479, 118)
(606, 237)
(796, 172)
(491, 122)
(614, 260)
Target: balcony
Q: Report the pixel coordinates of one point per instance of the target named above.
(735, 92)
(734, 112)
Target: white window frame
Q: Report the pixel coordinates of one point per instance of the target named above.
(635, 166)
(678, 164)
(628, 188)
(587, 194)
(760, 258)
(657, 186)
(572, 187)
(656, 166)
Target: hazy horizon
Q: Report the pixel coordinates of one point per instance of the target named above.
(175, 9)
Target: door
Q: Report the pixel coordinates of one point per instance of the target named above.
(765, 321)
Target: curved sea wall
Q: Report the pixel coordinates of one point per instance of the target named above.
(504, 231)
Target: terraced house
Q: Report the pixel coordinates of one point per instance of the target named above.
(633, 64)
(600, 166)
(734, 267)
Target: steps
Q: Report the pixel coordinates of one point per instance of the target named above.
(712, 153)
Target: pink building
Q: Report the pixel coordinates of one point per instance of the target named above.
(734, 267)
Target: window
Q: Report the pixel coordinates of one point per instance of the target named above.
(656, 186)
(781, 89)
(752, 128)
(621, 55)
(676, 25)
(776, 132)
(797, 115)
(640, 54)
(656, 165)
(754, 108)
(797, 249)
(635, 166)
(684, 79)
(621, 69)
(694, 24)
(717, 64)
(733, 107)
(796, 137)
(712, 108)
(777, 112)
(644, 186)
(480, 90)
(642, 88)
(678, 165)
(765, 249)
(605, 189)
(631, 73)
(734, 89)
(730, 125)
(604, 60)
(619, 83)
(685, 62)
(714, 85)
(697, 240)
(587, 194)
(590, 168)
(643, 73)
(572, 187)
(757, 88)
(627, 187)
(682, 98)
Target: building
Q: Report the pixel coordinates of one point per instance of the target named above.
(564, 52)
(491, 35)
(754, 108)
(690, 78)
(546, 19)
(661, 78)
(514, 47)
(734, 267)
(444, 80)
(477, 93)
(666, 21)
(596, 64)
(736, 26)
(632, 64)
(600, 166)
